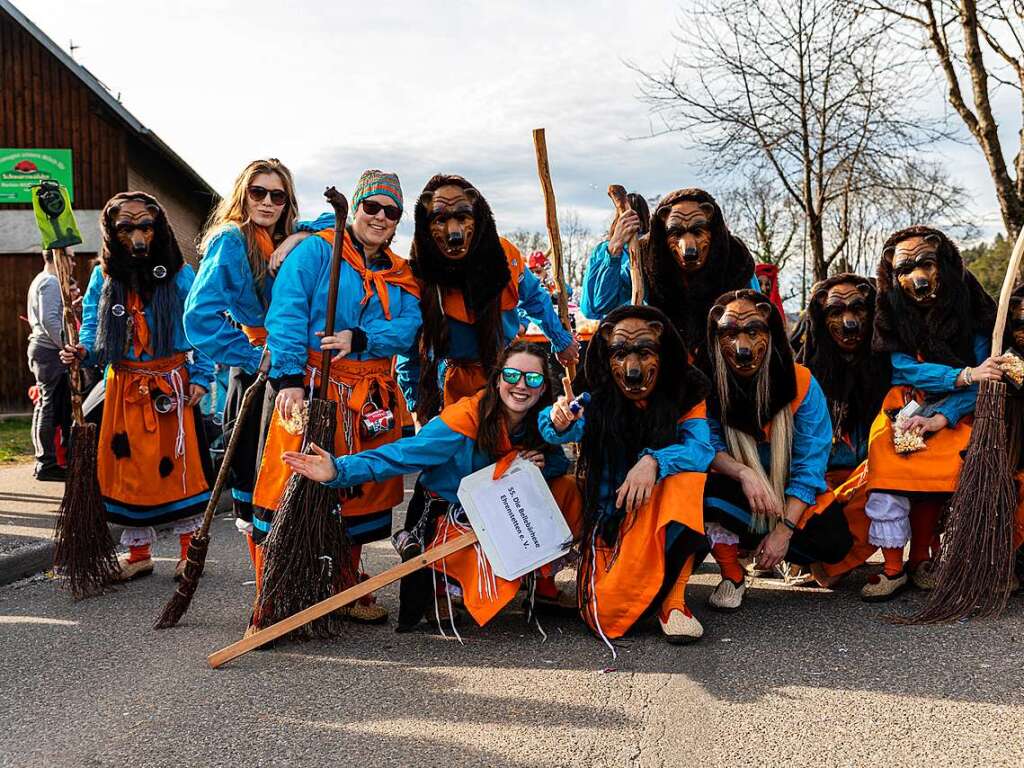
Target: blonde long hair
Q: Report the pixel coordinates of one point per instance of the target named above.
(743, 447)
(231, 212)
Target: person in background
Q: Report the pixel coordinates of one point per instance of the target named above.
(45, 316)
(607, 284)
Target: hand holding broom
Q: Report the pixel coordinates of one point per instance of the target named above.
(84, 557)
(976, 566)
(195, 560)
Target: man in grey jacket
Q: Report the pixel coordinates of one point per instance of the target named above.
(45, 315)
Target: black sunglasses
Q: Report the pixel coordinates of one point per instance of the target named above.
(258, 194)
(391, 212)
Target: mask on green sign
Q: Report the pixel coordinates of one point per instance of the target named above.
(56, 221)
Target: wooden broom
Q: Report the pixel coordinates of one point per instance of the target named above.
(195, 560)
(306, 555)
(84, 557)
(554, 234)
(976, 564)
(617, 193)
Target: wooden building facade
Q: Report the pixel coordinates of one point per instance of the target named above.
(49, 101)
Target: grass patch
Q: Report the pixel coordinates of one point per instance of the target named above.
(16, 440)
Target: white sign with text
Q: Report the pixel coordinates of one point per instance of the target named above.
(519, 525)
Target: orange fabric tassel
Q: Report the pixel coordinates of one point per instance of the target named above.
(140, 328)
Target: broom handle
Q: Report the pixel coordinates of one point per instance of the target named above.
(340, 600)
(340, 206)
(229, 452)
(540, 146)
(1012, 268)
(617, 193)
(62, 263)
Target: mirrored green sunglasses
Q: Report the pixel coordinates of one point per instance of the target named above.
(534, 380)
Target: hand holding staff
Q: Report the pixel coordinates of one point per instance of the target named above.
(618, 195)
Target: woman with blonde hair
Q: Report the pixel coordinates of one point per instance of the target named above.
(246, 239)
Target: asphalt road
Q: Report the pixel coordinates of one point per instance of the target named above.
(797, 677)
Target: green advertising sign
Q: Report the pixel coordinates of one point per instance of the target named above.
(22, 169)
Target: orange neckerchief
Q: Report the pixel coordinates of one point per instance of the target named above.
(398, 274)
(264, 242)
(464, 417)
(140, 328)
(453, 303)
(257, 334)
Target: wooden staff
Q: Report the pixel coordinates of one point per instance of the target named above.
(340, 600)
(617, 193)
(554, 234)
(63, 264)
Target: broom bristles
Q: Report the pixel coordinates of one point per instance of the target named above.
(84, 557)
(195, 561)
(306, 554)
(976, 565)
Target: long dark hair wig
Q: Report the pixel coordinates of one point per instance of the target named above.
(854, 387)
(126, 273)
(944, 332)
(491, 414)
(616, 429)
(688, 299)
(481, 277)
(639, 204)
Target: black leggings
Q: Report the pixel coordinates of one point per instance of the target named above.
(825, 538)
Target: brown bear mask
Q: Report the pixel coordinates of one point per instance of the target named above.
(634, 349)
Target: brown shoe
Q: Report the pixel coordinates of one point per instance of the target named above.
(135, 570)
(371, 613)
(925, 576)
(823, 579)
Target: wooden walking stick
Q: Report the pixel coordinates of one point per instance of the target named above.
(198, 547)
(84, 557)
(617, 193)
(340, 600)
(307, 553)
(976, 563)
(554, 235)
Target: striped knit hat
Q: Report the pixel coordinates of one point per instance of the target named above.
(376, 182)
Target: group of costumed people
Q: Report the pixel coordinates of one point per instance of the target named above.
(705, 433)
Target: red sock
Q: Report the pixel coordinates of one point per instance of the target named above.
(675, 600)
(184, 540)
(728, 558)
(893, 560)
(136, 554)
(924, 524)
(546, 587)
(356, 551)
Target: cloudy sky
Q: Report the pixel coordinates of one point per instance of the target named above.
(415, 87)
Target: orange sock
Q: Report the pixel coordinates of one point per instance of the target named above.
(675, 600)
(924, 524)
(135, 554)
(257, 565)
(184, 540)
(252, 548)
(893, 560)
(728, 558)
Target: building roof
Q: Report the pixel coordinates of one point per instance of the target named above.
(92, 83)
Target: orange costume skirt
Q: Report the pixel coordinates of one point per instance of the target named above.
(153, 467)
(484, 593)
(624, 582)
(353, 384)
